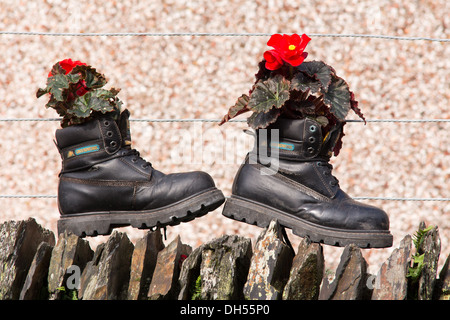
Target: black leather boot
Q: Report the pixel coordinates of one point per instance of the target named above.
(299, 190)
(105, 184)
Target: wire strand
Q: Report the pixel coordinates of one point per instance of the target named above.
(210, 34)
(234, 120)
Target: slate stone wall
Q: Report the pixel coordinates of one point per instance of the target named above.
(35, 265)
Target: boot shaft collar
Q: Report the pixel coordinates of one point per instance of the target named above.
(296, 140)
(84, 145)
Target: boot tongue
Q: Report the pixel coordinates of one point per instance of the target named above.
(332, 138)
(124, 126)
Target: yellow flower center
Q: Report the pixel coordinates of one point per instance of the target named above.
(292, 47)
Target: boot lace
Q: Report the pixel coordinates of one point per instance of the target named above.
(327, 171)
(137, 157)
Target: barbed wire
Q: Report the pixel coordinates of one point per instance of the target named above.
(401, 199)
(211, 34)
(27, 196)
(219, 120)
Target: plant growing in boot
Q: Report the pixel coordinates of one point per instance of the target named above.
(104, 183)
(76, 93)
(298, 111)
(288, 87)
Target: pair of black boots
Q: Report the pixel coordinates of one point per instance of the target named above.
(105, 184)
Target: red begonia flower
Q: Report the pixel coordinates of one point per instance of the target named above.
(286, 48)
(68, 65)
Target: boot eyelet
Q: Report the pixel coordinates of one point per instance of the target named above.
(310, 150)
(113, 144)
(109, 134)
(312, 128)
(312, 139)
(106, 123)
(134, 160)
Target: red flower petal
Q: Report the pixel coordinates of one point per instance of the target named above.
(303, 42)
(274, 40)
(284, 43)
(295, 39)
(81, 88)
(297, 60)
(273, 60)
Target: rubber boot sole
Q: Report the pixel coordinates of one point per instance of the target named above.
(261, 215)
(102, 223)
